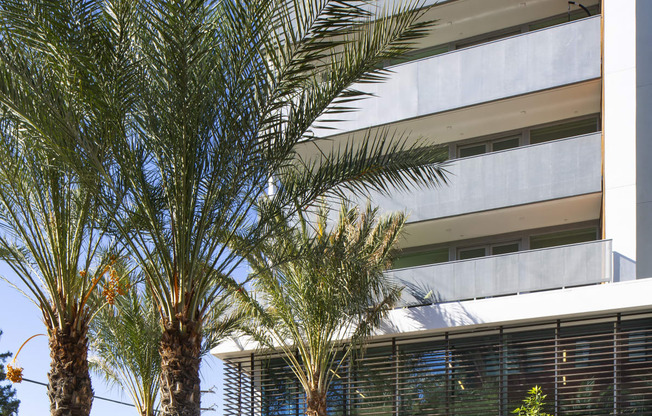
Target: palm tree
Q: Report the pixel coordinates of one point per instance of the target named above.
(327, 286)
(59, 85)
(224, 94)
(124, 346)
(125, 341)
(50, 240)
(229, 89)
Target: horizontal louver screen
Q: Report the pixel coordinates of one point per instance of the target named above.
(584, 368)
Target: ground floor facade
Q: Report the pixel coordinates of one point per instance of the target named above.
(597, 365)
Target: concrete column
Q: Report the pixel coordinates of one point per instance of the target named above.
(644, 138)
(619, 127)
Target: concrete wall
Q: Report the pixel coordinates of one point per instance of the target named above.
(619, 126)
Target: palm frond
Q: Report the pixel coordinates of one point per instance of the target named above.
(125, 342)
(320, 290)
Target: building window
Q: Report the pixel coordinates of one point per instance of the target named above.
(487, 250)
(504, 144)
(563, 130)
(564, 18)
(487, 38)
(531, 135)
(421, 258)
(489, 146)
(580, 366)
(472, 150)
(563, 237)
(495, 245)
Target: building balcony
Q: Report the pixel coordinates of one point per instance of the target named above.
(507, 274)
(551, 171)
(536, 61)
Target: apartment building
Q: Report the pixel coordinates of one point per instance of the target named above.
(531, 266)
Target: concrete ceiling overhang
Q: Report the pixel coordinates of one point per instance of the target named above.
(505, 220)
(462, 19)
(595, 301)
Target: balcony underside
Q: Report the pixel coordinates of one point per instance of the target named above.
(460, 19)
(551, 213)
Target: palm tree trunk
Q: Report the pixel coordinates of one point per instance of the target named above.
(69, 384)
(180, 358)
(316, 403)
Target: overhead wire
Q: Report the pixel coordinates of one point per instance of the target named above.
(40, 383)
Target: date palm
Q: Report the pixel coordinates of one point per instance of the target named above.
(225, 92)
(124, 347)
(125, 341)
(50, 240)
(229, 90)
(327, 288)
(52, 224)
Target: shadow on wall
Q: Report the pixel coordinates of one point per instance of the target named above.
(419, 294)
(426, 312)
(624, 268)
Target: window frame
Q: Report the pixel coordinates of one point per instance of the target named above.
(488, 248)
(522, 134)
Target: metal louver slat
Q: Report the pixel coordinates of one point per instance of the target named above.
(585, 368)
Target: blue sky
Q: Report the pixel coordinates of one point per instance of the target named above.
(20, 319)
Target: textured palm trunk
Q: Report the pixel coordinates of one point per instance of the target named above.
(69, 384)
(316, 403)
(180, 358)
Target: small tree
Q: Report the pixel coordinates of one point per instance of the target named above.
(532, 404)
(323, 294)
(8, 402)
(124, 343)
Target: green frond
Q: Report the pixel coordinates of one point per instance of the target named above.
(57, 103)
(124, 345)
(320, 290)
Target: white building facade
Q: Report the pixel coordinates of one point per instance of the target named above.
(531, 266)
